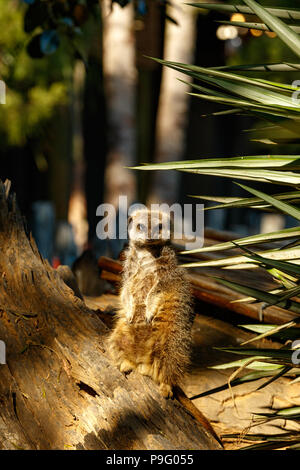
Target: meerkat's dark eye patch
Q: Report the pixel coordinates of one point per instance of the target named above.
(141, 227)
(160, 227)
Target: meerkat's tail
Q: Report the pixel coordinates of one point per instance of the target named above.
(194, 411)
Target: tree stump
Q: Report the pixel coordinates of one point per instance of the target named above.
(58, 388)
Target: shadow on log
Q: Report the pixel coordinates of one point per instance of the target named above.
(58, 389)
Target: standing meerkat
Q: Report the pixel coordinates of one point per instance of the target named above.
(153, 328)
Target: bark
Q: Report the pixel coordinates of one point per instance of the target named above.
(58, 388)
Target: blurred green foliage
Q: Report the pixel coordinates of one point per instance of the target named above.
(263, 49)
(34, 88)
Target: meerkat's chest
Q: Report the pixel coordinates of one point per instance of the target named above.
(144, 282)
(144, 277)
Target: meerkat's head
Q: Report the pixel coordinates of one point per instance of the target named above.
(149, 227)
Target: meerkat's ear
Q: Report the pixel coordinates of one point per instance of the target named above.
(129, 220)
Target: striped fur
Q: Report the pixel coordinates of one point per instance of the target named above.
(152, 333)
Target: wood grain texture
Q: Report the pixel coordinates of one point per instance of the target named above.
(59, 389)
(210, 332)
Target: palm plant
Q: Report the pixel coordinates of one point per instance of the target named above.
(277, 105)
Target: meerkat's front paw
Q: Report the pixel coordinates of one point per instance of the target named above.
(150, 314)
(130, 315)
(166, 390)
(126, 366)
(129, 318)
(129, 307)
(152, 306)
(148, 319)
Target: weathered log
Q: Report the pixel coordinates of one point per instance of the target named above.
(58, 388)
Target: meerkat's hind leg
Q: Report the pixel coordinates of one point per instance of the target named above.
(152, 370)
(127, 366)
(145, 369)
(166, 390)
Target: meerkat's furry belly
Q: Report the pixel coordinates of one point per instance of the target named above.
(142, 345)
(153, 329)
(136, 339)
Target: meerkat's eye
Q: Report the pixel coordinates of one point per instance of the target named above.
(141, 227)
(160, 227)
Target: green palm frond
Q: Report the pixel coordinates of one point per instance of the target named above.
(238, 90)
(254, 202)
(284, 13)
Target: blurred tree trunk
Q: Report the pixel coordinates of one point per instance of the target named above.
(119, 74)
(173, 104)
(77, 206)
(149, 33)
(94, 126)
(58, 152)
(58, 388)
(58, 149)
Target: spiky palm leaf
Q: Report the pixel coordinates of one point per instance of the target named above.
(272, 102)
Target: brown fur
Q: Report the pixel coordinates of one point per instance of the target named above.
(153, 329)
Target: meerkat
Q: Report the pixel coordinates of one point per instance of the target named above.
(152, 333)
